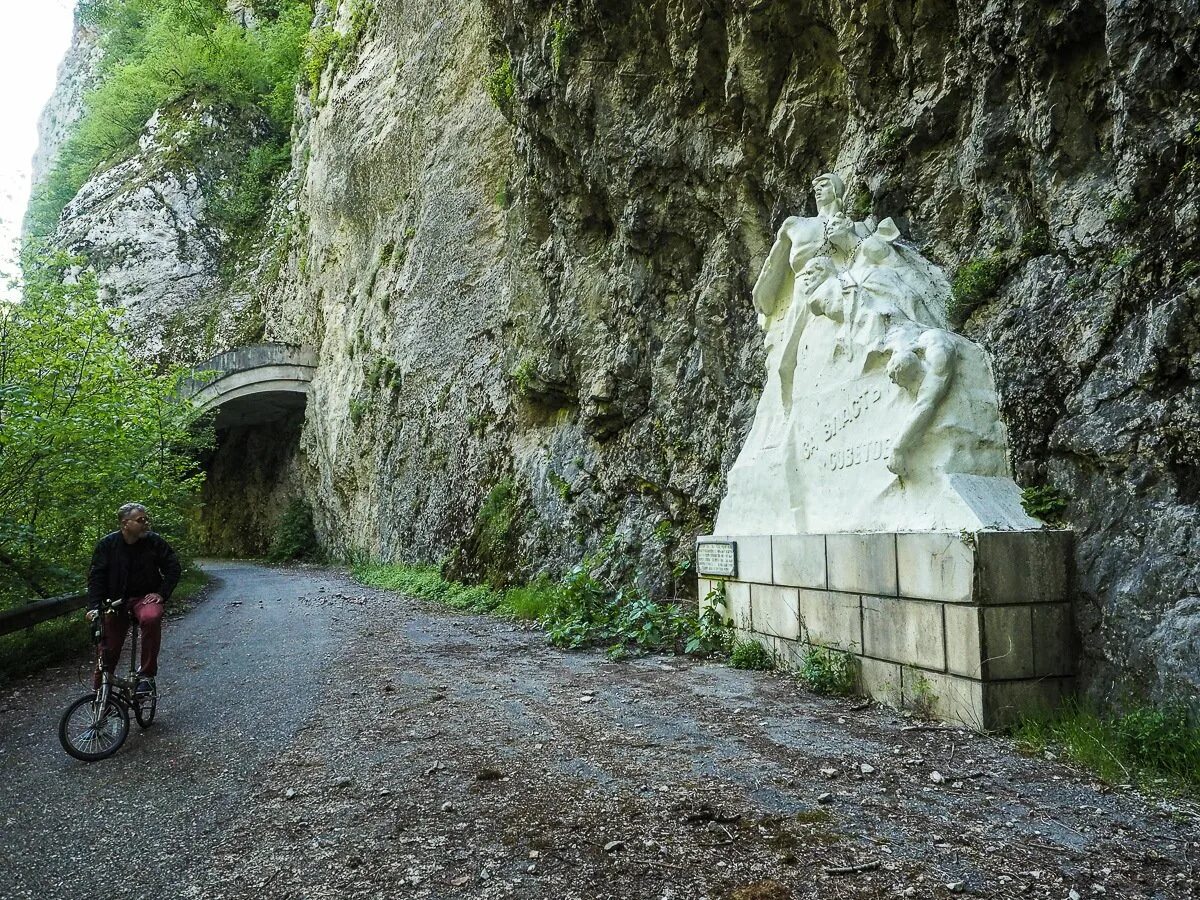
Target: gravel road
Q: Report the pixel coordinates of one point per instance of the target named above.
(320, 739)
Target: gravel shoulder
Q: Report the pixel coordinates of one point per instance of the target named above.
(319, 739)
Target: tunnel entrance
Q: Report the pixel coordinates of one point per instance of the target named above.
(259, 395)
(253, 471)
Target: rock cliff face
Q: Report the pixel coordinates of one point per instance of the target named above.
(523, 236)
(77, 74)
(145, 225)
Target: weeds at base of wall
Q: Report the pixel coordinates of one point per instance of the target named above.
(829, 671)
(578, 611)
(749, 654)
(1152, 746)
(920, 699)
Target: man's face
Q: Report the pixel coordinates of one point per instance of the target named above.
(823, 191)
(136, 525)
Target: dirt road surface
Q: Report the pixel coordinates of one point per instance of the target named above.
(320, 739)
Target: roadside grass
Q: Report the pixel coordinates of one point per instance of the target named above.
(427, 583)
(29, 651)
(1149, 746)
(578, 611)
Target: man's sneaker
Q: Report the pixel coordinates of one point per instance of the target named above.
(145, 687)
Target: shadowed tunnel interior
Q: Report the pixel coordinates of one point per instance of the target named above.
(252, 473)
(259, 395)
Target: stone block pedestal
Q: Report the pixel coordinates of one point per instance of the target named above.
(970, 628)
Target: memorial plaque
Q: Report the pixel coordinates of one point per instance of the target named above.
(716, 559)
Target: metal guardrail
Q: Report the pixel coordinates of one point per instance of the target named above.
(30, 614)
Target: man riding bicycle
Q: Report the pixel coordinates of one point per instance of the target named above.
(137, 566)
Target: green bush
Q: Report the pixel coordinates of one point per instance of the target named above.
(828, 671)
(1045, 503)
(1035, 241)
(501, 86)
(562, 37)
(1144, 744)
(320, 44)
(975, 283)
(523, 374)
(296, 536)
(242, 200)
(1121, 211)
(1160, 740)
(751, 655)
(532, 602)
(84, 428)
(496, 518)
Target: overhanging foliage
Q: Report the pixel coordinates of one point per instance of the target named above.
(84, 427)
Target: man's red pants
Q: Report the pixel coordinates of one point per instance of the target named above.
(114, 627)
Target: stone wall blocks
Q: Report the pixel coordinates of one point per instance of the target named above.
(936, 566)
(799, 560)
(753, 557)
(774, 611)
(790, 654)
(964, 640)
(1006, 702)
(1023, 566)
(862, 563)
(1008, 642)
(881, 680)
(945, 697)
(1054, 639)
(831, 619)
(904, 631)
(737, 604)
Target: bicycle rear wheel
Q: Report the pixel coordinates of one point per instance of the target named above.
(144, 707)
(91, 733)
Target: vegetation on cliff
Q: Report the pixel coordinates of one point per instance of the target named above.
(159, 52)
(84, 427)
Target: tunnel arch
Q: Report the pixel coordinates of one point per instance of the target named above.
(253, 385)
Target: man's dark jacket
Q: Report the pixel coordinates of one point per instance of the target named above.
(108, 577)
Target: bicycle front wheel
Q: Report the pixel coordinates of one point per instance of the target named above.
(90, 732)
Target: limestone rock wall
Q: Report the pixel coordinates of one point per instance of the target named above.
(77, 75)
(533, 314)
(144, 223)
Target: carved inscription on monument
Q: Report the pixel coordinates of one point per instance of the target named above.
(849, 435)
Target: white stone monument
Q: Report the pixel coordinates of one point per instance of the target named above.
(874, 417)
(878, 441)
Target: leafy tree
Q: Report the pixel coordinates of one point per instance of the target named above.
(84, 427)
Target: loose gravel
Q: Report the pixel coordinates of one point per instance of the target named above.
(321, 739)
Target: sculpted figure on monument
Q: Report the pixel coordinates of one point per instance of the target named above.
(873, 415)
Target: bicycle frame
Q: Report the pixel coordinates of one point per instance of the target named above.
(110, 680)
